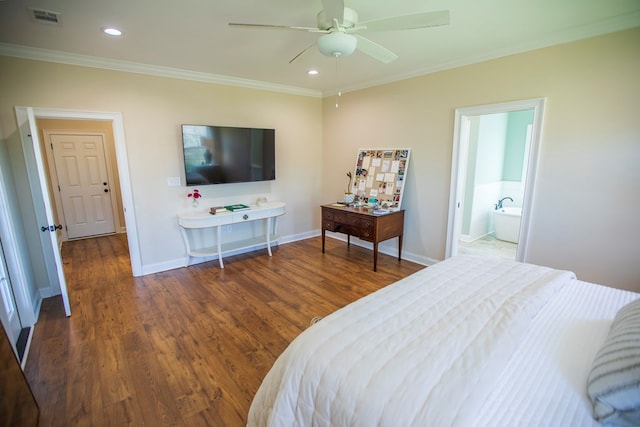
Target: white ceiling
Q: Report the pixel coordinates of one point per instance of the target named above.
(193, 35)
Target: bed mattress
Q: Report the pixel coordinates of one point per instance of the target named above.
(466, 342)
(545, 381)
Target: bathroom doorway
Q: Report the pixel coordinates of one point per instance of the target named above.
(493, 172)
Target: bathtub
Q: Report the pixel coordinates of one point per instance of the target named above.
(507, 223)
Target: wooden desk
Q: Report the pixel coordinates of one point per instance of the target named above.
(362, 223)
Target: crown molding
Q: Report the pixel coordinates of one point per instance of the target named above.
(25, 52)
(596, 29)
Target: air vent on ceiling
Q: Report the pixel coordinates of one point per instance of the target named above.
(45, 16)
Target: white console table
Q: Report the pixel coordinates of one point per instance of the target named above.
(268, 211)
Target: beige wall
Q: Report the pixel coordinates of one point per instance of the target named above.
(587, 195)
(153, 108)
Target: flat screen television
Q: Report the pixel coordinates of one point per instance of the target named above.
(223, 155)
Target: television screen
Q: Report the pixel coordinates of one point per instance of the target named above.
(222, 155)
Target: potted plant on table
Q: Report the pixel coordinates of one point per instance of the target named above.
(348, 195)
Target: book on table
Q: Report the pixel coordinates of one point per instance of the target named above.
(237, 207)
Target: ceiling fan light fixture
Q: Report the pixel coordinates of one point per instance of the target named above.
(337, 44)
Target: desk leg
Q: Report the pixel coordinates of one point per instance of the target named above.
(323, 233)
(400, 247)
(375, 256)
(219, 246)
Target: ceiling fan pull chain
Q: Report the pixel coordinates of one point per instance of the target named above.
(339, 93)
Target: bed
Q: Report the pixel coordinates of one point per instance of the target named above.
(468, 341)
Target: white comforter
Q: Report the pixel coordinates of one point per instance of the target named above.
(423, 351)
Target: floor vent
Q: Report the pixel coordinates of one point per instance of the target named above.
(45, 16)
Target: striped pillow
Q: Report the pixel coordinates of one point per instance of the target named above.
(614, 381)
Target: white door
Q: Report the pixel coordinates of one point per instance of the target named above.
(81, 168)
(8, 312)
(40, 196)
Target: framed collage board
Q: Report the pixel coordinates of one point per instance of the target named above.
(379, 176)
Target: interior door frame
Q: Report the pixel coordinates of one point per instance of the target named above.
(123, 171)
(459, 166)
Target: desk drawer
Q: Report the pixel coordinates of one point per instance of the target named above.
(366, 229)
(340, 217)
(338, 227)
(327, 214)
(249, 215)
(365, 223)
(366, 234)
(353, 220)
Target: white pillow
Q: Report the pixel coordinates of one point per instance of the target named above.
(614, 381)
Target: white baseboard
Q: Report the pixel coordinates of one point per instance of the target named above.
(468, 239)
(184, 262)
(387, 249)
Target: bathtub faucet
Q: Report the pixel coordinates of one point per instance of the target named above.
(499, 204)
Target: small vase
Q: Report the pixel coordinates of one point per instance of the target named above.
(348, 198)
(195, 203)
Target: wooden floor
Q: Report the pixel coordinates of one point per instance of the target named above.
(188, 346)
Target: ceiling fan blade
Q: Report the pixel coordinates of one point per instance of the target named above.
(334, 10)
(408, 22)
(276, 27)
(375, 51)
(307, 49)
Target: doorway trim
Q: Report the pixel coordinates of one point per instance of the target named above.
(459, 166)
(123, 169)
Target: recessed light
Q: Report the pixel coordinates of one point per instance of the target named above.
(312, 72)
(112, 31)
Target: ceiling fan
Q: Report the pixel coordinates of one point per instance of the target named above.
(340, 25)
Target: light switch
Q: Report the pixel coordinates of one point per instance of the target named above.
(173, 181)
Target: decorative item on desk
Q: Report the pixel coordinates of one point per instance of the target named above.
(195, 195)
(217, 209)
(348, 195)
(237, 207)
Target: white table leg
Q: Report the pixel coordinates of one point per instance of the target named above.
(268, 235)
(218, 232)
